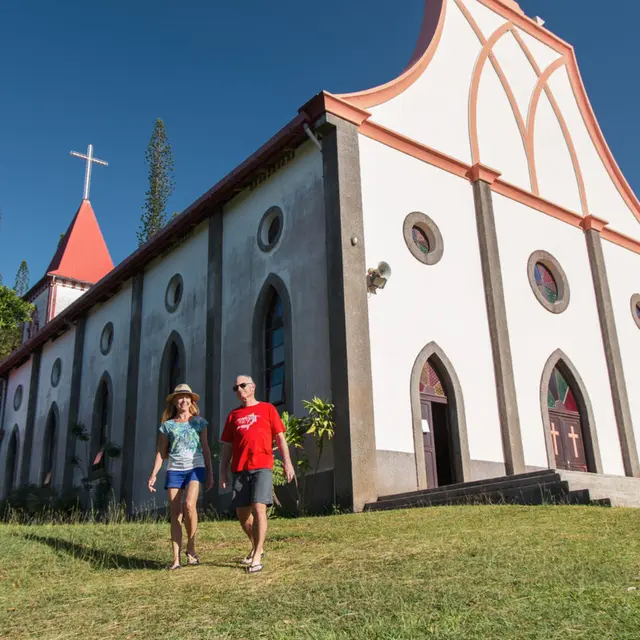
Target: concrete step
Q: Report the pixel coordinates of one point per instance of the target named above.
(524, 477)
(487, 487)
(534, 492)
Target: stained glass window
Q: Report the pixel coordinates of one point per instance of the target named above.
(560, 391)
(546, 282)
(430, 382)
(638, 310)
(420, 239)
(101, 428)
(49, 450)
(274, 352)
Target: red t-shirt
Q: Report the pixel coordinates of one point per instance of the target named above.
(251, 431)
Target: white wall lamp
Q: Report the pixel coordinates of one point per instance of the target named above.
(377, 278)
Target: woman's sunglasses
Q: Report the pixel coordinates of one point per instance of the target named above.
(242, 385)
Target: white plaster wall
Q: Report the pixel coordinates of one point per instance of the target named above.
(603, 197)
(488, 20)
(299, 259)
(61, 348)
(623, 272)
(543, 54)
(41, 305)
(435, 109)
(499, 139)
(17, 377)
(189, 320)
(443, 303)
(95, 364)
(518, 70)
(556, 175)
(64, 296)
(535, 333)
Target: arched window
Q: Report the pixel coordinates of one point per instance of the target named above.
(272, 347)
(173, 370)
(49, 448)
(274, 352)
(101, 427)
(11, 462)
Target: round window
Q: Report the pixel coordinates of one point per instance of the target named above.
(17, 398)
(423, 238)
(106, 339)
(635, 308)
(270, 228)
(56, 370)
(548, 281)
(174, 292)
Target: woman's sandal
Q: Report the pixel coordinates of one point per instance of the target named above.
(254, 568)
(173, 567)
(192, 559)
(249, 559)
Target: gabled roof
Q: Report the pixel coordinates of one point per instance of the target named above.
(82, 253)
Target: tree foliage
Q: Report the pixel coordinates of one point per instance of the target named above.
(22, 279)
(161, 183)
(13, 312)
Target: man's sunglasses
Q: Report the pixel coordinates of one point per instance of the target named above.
(242, 385)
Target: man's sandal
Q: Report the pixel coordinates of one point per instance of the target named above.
(249, 559)
(193, 560)
(254, 568)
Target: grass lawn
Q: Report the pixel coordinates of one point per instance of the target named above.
(446, 572)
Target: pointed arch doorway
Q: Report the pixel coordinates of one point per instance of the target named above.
(436, 428)
(571, 436)
(439, 425)
(565, 425)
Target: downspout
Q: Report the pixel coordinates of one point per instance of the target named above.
(312, 136)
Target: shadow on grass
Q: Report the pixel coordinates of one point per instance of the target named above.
(95, 557)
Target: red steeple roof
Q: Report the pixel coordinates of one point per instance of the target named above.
(82, 253)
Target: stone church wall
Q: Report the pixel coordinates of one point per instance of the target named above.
(299, 260)
(97, 365)
(189, 259)
(53, 388)
(14, 417)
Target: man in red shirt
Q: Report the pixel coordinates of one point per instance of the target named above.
(248, 443)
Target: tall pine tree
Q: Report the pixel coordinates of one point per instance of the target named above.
(161, 184)
(22, 279)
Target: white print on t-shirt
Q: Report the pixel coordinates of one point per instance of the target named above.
(245, 422)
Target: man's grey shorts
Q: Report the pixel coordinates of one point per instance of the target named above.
(250, 487)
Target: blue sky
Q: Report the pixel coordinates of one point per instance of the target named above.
(224, 76)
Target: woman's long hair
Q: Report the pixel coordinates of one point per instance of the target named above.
(171, 410)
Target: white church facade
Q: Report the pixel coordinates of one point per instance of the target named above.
(505, 339)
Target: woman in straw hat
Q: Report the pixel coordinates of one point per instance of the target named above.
(183, 441)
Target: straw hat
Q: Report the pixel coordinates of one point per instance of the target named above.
(183, 389)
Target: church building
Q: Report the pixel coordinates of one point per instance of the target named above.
(449, 258)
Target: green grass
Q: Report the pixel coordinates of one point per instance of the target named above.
(496, 572)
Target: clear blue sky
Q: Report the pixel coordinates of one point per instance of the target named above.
(224, 76)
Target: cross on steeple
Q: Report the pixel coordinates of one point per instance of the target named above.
(87, 174)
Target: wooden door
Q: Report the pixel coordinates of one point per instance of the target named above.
(428, 443)
(568, 441)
